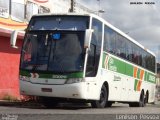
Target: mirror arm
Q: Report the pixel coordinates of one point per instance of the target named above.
(13, 39)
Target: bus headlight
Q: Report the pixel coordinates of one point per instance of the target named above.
(24, 78)
(74, 80)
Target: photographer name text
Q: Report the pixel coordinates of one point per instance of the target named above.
(142, 3)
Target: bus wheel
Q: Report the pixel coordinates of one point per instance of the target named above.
(141, 102)
(146, 98)
(103, 99)
(109, 104)
(48, 102)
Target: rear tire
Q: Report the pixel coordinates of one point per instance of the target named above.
(146, 98)
(141, 102)
(102, 103)
(109, 104)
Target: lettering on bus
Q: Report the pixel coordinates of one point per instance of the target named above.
(59, 76)
(112, 65)
(151, 78)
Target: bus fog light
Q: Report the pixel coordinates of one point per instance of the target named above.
(74, 80)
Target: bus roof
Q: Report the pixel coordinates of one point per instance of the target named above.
(102, 20)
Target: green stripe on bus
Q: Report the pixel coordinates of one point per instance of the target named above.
(53, 76)
(129, 70)
(135, 84)
(145, 76)
(116, 65)
(138, 73)
(75, 75)
(151, 78)
(119, 66)
(42, 75)
(25, 73)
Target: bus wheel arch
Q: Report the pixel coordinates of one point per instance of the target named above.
(108, 103)
(103, 97)
(141, 102)
(107, 87)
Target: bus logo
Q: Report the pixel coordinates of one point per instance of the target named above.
(59, 76)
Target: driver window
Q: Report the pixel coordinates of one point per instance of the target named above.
(95, 49)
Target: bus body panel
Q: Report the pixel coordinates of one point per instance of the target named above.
(126, 87)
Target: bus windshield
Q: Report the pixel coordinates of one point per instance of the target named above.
(53, 51)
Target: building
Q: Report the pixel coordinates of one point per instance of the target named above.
(158, 82)
(14, 15)
(158, 75)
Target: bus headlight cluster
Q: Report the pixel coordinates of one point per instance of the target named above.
(24, 78)
(74, 80)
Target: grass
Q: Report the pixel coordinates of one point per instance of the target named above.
(10, 98)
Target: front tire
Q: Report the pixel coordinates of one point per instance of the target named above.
(103, 99)
(48, 102)
(109, 104)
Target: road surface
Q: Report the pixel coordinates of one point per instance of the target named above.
(78, 112)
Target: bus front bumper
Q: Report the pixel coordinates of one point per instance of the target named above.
(75, 90)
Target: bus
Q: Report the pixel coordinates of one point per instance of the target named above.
(82, 57)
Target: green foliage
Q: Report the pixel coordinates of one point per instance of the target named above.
(8, 97)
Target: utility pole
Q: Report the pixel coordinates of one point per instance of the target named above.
(72, 6)
(158, 54)
(99, 8)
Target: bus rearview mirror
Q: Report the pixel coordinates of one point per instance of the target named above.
(88, 35)
(13, 39)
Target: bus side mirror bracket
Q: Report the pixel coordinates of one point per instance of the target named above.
(88, 35)
(13, 39)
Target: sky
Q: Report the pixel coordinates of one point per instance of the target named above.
(141, 22)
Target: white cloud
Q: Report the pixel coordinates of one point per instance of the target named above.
(141, 21)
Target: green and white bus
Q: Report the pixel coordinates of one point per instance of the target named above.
(81, 57)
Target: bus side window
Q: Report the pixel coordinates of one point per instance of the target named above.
(144, 59)
(109, 40)
(129, 51)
